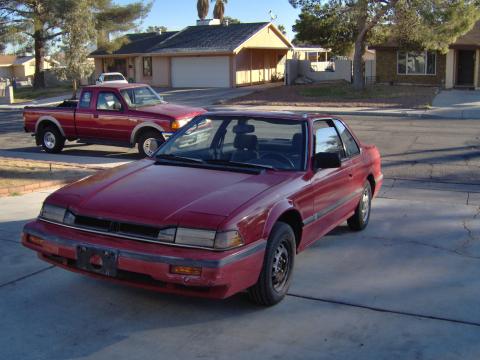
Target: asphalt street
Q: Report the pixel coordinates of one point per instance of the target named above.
(405, 288)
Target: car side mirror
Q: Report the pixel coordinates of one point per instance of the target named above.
(325, 160)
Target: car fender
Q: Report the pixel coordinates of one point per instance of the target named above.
(141, 126)
(50, 119)
(275, 213)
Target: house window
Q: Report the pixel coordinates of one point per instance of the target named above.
(416, 63)
(147, 66)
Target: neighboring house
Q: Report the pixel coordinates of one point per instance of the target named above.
(201, 56)
(458, 68)
(314, 53)
(21, 68)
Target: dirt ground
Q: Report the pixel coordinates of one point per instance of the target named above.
(342, 95)
(16, 173)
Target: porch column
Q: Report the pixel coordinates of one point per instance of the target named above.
(475, 76)
(450, 69)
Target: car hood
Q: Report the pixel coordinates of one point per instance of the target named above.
(148, 193)
(175, 112)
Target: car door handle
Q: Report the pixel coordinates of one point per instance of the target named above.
(350, 175)
(95, 116)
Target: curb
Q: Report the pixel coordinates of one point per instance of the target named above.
(64, 164)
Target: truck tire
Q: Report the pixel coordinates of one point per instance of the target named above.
(147, 144)
(276, 274)
(51, 139)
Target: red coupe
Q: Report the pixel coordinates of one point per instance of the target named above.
(223, 206)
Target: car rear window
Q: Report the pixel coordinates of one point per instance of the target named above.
(113, 77)
(85, 100)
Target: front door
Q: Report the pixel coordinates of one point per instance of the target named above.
(465, 67)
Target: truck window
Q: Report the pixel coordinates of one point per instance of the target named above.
(108, 101)
(85, 100)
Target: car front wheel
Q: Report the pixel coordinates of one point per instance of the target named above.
(276, 274)
(149, 142)
(359, 220)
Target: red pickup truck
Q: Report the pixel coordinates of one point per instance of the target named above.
(113, 114)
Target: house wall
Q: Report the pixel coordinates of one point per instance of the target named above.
(255, 66)
(386, 70)
(266, 38)
(98, 66)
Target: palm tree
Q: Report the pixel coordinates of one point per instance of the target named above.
(202, 8)
(219, 9)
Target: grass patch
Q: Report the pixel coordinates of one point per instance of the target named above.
(29, 93)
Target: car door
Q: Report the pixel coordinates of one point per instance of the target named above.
(352, 158)
(110, 121)
(330, 188)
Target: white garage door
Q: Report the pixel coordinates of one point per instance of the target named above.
(206, 71)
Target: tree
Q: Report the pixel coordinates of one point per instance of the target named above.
(282, 29)
(231, 20)
(157, 29)
(343, 24)
(78, 34)
(112, 19)
(202, 9)
(219, 9)
(40, 20)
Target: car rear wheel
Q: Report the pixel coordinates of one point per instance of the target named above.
(359, 220)
(276, 274)
(51, 139)
(149, 142)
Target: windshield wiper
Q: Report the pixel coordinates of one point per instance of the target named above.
(173, 157)
(238, 164)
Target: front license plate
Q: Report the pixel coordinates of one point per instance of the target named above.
(97, 260)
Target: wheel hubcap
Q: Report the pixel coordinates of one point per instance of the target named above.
(365, 205)
(49, 140)
(281, 266)
(150, 146)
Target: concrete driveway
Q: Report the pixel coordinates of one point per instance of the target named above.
(405, 288)
(204, 97)
(459, 104)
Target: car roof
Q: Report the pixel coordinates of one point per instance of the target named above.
(281, 115)
(115, 86)
(111, 73)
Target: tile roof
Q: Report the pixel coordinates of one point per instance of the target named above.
(138, 43)
(209, 38)
(204, 38)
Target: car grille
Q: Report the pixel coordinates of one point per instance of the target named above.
(117, 228)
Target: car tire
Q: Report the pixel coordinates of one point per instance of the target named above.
(359, 220)
(277, 269)
(51, 139)
(146, 145)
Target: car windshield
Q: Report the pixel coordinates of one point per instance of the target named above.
(141, 96)
(113, 77)
(232, 141)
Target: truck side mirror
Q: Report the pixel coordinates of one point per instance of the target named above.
(326, 160)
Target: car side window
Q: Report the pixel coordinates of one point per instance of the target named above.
(108, 101)
(327, 139)
(85, 100)
(351, 145)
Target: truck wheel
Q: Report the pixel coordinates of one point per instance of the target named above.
(359, 220)
(51, 139)
(148, 142)
(276, 275)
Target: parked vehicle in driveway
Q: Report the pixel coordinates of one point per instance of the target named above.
(111, 78)
(223, 206)
(113, 114)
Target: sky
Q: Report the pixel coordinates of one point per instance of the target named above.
(177, 14)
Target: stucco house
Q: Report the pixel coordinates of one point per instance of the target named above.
(458, 68)
(21, 67)
(206, 55)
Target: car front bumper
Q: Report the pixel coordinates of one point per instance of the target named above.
(150, 265)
